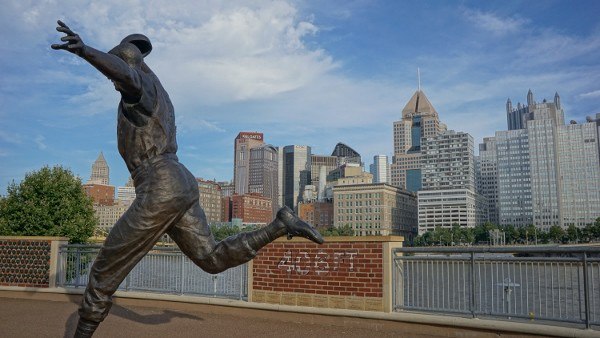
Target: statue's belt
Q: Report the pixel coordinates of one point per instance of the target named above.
(152, 161)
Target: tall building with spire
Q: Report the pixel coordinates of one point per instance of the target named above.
(100, 172)
(548, 173)
(419, 120)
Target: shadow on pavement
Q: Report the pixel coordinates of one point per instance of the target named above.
(152, 319)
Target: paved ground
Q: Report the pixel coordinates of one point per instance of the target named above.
(54, 315)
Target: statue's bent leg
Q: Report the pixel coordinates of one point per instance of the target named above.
(193, 237)
(134, 234)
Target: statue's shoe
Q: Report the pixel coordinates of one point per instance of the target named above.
(297, 227)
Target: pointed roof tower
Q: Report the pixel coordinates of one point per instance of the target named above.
(530, 101)
(419, 104)
(557, 100)
(100, 159)
(100, 171)
(508, 105)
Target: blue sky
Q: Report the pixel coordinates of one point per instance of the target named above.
(302, 72)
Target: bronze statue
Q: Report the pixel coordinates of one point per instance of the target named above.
(166, 192)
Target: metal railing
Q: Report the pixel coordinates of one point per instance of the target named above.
(542, 283)
(162, 270)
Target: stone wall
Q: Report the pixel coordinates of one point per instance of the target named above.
(345, 273)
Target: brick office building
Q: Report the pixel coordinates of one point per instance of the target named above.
(252, 208)
(101, 194)
(319, 214)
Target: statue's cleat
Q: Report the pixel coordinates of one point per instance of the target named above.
(297, 227)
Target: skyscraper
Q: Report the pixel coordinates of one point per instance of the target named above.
(548, 172)
(345, 154)
(210, 199)
(263, 174)
(100, 171)
(319, 162)
(127, 192)
(296, 173)
(579, 183)
(380, 169)
(244, 142)
(448, 194)
(514, 203)
(542, 127)
(486, 175)
(419, 120)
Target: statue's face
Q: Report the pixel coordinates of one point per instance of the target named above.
(129, 53)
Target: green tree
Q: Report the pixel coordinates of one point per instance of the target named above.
(530, 235)
(48, 202)
(344, 230)
(222, 231)
(556, 233)
(511, 233)
(573, 234)
(596, 229)
(482, 232)
(442, 236)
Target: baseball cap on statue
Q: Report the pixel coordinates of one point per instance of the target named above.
(140, 41)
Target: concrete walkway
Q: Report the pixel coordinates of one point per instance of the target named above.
(35, 314)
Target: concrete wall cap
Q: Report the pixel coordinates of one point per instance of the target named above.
(344, 239)
(34, 238)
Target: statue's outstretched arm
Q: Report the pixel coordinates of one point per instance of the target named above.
(126, 78)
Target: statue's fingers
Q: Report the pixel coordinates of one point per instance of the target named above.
(71, 38)
(59, 46)
(65, 30)
(75, 45)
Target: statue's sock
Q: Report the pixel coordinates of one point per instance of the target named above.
(85, 328)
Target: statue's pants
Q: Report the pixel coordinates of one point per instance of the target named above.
(166, 202)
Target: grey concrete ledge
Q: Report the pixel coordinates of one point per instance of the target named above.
(407, 317)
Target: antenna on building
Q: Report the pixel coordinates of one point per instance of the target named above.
(419, 78)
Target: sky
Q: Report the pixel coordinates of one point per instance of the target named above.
(302, 72)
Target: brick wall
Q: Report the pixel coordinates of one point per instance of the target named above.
(28, 261)
(344, 272)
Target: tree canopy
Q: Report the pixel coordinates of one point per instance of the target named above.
(529, 235)
(48, 202)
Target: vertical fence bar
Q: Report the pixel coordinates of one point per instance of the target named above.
(586, 291)
(242, 277)
(472, 303)
(77, 265)
(181, 272)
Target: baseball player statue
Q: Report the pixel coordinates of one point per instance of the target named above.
(166, 192)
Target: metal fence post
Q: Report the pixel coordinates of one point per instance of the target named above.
(77, 265)
(182, 284)
(242, 277)
(586, 291)
(394, 282)
(472, 305)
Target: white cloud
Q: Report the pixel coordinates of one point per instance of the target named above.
(39, 140)
(493, 23)
(194, 123)
(590, 95)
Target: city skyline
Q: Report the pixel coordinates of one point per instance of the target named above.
(301, 72)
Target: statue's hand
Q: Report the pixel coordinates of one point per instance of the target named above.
(74, 43)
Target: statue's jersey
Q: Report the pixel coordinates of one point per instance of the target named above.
(146, 128)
